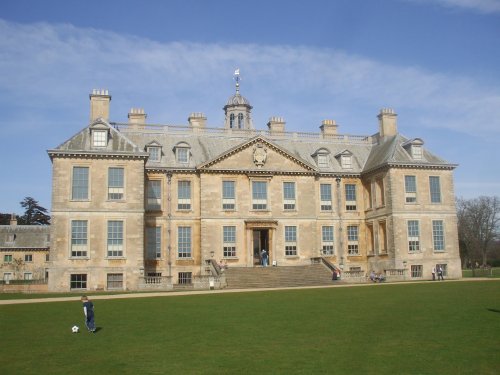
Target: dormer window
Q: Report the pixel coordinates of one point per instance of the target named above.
(322, 161)
(99, 134)
(154, 153)
(182, 153)
(321, 157)
(99, 138)
(414, 148)
(346, 161)
(416, 152)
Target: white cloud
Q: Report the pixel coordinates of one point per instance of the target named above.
(52, 68)
(481, 6)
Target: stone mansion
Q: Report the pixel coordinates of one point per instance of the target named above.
(136, 204)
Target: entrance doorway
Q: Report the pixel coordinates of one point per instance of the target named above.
(260, 241)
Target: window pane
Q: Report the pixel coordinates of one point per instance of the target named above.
(290, 234)
(184, 195)
(289, 190)
(259, 195)
(228, 189)
(184, 242)
(99, 138)
(289, 195)
(115, 280)
(154, 194)
(240, 121)
(259, 190)
(327, 234)
(410, 184)
(79, 238)
(185, 277)
(80, 183)
(323, 161)
(413, 236)
(435, 189)
(230, 234)
(78, 281)
(290, 240)
(154, 153)
(115, 177)
(229, 239)
(352, 233)
(115, 183)
(182, 155)
(438, 235)
(326, 192)
(153, 243)
(350, 192)
(115, 238)
(184, 190)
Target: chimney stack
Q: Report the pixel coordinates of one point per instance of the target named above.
(13, 219)
(99, 104)
(328, 128)
(137, 117)
(197, 120)
(387, 120)
(276, 125)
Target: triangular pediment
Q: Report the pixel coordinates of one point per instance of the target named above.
(258, 155)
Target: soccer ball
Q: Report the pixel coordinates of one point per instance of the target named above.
(75, 329)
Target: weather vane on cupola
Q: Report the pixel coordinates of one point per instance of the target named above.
(237, 79)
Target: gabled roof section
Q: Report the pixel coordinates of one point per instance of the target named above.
(81, 143)
(255, 140)
(321, 151)
(153, 143)
(392, 153)
(343, 152)
(414, 141)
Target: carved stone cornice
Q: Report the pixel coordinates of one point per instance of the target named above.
(96, 155)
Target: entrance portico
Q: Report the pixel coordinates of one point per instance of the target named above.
(260, 235)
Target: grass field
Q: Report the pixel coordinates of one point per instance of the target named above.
(428, 328)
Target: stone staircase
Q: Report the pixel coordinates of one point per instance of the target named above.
(278, 277)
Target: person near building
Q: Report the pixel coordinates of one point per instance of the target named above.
(440, 273)
(264, 257)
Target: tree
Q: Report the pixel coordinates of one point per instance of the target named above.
(478, 226)
(34, 214)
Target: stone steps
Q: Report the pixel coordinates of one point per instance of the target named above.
(278, 277)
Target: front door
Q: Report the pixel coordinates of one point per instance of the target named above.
(260, 242)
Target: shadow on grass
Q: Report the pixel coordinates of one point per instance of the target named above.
(494, 310)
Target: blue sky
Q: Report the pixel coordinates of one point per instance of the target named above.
(436, 62)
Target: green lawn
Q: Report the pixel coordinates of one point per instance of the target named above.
(428, 328)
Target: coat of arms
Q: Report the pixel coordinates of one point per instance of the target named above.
(259, 155)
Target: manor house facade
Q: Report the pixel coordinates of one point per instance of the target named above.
(138, 204)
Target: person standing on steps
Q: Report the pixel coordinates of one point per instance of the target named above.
(264, 257)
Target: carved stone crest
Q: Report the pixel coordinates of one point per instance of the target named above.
(259, 155)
